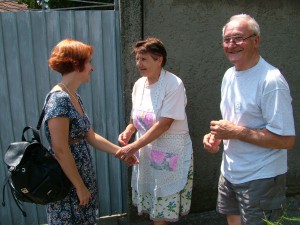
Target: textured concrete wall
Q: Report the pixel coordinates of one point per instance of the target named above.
(191, 32)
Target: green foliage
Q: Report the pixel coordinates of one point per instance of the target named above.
(283, 219)
(59, 4)
(32, 4)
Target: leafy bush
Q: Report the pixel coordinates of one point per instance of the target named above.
(59, 4)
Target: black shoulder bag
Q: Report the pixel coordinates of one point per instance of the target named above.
(34, 175)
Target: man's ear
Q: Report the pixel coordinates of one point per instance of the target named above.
(257, 41)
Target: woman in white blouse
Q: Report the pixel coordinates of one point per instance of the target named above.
(162, 181)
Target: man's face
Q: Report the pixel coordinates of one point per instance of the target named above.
(240, 44)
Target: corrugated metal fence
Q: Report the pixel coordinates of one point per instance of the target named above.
(26, 40)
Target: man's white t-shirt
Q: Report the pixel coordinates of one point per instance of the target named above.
(255, 98)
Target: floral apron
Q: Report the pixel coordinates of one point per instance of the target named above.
(162, 170)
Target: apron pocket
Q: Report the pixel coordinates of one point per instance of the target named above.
(163, 160)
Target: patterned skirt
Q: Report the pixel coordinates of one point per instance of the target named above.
(167, 208)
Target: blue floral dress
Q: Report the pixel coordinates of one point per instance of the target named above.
(68, 211)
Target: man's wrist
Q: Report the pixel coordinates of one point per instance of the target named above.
(242, 132)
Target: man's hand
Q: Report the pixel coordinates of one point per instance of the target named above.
(224, 129)
(211, 144)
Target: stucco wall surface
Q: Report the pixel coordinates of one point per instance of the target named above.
(191, 32)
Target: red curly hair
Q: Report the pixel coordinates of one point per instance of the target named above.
(69, 55)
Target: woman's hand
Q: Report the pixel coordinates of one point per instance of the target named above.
(126, 152)
(211, 144)
(132, 160)
(83, 195)
(128, 159)
(124, 137)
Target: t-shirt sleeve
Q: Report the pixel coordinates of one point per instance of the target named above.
(133, 97)
(58, 105)
(174, 103)
(277, 108)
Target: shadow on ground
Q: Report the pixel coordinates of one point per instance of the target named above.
(206, 218)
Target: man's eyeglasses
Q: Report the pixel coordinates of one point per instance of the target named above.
(236, 39)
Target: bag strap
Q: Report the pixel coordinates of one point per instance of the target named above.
(36, 135)
(18, 203)
(38, 126)
(3, 191)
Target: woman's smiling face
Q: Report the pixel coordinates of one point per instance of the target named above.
(147, 64)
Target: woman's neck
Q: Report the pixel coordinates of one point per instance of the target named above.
(152, 79)
(69, 84)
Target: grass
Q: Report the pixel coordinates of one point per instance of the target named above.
(283, 220)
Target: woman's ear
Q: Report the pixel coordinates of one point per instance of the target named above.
(160, 60)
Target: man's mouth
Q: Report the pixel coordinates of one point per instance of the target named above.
(234, 52)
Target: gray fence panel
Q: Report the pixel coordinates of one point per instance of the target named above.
(27, 68)
(121, 111)
(110, 74)
(100, 115)
(5, 116)
(26, 40)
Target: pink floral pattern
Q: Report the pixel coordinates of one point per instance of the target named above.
(163, 160)
(157, 156)
(167, 208)
(173, 162)
(143, 120)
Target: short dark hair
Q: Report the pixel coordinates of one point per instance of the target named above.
(69, 55)
(153, 46)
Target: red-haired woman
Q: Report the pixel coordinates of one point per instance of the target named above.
(69, 132)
